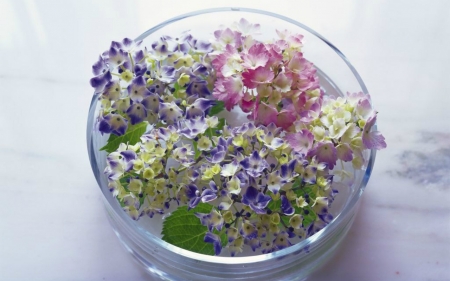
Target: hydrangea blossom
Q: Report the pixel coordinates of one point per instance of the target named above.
(270, 181)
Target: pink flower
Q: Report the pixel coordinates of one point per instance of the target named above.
(303, 83)
(344, 152)
(228, 37)
(266, 114)
(364, 109)
(298, 64)
(372, 140)
(354, 98)
(254, 77)
(286, 118)
(295, 41)
(229, 90)
(247, 28)
(227, 63)
(283, 82)
(308, 108)
(257, 56)
(301, 141)
(325, 152)
(275, 52)
(247, 103)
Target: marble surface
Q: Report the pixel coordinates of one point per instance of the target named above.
(53, 226)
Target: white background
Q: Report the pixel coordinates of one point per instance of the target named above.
(52, 222)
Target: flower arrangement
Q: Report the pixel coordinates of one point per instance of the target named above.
(264, 183)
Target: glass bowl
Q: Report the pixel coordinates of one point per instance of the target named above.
(167, 262)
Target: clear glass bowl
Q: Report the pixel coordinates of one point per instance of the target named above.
(167, 262)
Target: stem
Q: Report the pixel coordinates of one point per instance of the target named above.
(281, 220)
(132, 61)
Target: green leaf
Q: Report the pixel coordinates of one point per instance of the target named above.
(221, 124)
(183, 229)
(274, 205)
(309, 218)
(217, 108)
(131, 136)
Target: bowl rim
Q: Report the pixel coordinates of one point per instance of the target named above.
(277, 254)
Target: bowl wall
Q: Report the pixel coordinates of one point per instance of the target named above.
(168, 262)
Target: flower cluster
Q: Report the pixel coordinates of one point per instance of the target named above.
(272, 81)
(270, 181)
(160, 85)
(258, 183)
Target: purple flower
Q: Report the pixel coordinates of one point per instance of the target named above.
(198, 108)
(309, 174)
(193, 194)
(256, 200)
(116, 57)
(157, 87)
(254, 165)
(198, 69)
(325, 152)
(137, 89)
(344, 152)
(194, 127)
(165, 73)
(99, 82)
(151, 211)
(151, 103)
(217, 154)
(372, 140)
(128, 157)
(169, 112)
(199, 46)
(100, 67)
(137, 113)
(286, 206)
(208, 194)
(301, 141)
(287, 171)
(255, 243)
(215, 240)
(248, 231)
(139, 57)
(113, 123)
(127, 44)
(165, 133)
(282, 241)
(140, 69)
(198, 88)
(212, 220)
(112, 90)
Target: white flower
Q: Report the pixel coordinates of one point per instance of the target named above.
(230, 169)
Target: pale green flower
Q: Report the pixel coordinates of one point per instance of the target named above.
(230, 169)
(319, 133)
(138, 165)
(301, 202)
(148, 173)
(234, 185)
(135, 186)
(275, 218)
(342, 113)
(204, 143)
(296, 221)
(157, 166)
(338, 128)
(212, 122)
(183, 80)
(127, 75)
